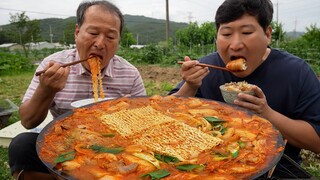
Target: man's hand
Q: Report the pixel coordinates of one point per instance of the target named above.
(35, 110)
(193, 74)
(257, 103)
(54, 78)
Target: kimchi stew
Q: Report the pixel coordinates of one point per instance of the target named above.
(159, 137)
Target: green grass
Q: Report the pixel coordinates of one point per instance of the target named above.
(12, 88)
(157, 88)
(4, 164)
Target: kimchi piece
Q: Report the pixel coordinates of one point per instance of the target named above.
(95, 66)
(237, 65)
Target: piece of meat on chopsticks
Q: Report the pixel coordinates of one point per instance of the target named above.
(237, 65)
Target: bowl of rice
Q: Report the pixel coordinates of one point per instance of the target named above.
(231, 90)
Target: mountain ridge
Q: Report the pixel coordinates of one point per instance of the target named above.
(144, 29)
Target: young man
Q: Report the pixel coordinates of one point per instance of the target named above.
(97, 33)
(287, 90)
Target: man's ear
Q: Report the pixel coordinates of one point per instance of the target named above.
(76, 31)
(269, 34)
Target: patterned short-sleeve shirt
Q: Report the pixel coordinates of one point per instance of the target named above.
(119, 79)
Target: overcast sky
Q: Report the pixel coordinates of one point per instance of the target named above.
(293, 14)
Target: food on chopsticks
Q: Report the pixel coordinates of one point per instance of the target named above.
(233, 66)
(160, 138)
(95, 66)
(237, 65)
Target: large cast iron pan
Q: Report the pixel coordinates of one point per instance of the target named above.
(62, 175)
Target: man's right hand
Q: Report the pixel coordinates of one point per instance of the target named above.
(193, 74)
(54, 78)
(34, 111)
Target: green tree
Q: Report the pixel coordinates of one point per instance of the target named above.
(190, 35)
(194, 34)
(208, 33)
(278, 34)
(312, 36)
(309, 41)
(69, 33)
(5, 37)
(24, 30)
(306, 47)
(33, 30)
(127, 38)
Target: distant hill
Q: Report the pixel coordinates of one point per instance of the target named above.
(144, 29)
(294, 35)
(150, 29)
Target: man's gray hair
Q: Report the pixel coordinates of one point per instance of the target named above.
(105, 4)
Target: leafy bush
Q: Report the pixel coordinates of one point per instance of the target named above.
(133, 55)
(152, 54)
(14, 63)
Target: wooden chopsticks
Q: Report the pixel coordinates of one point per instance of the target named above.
(208, 65)
(65, 65)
